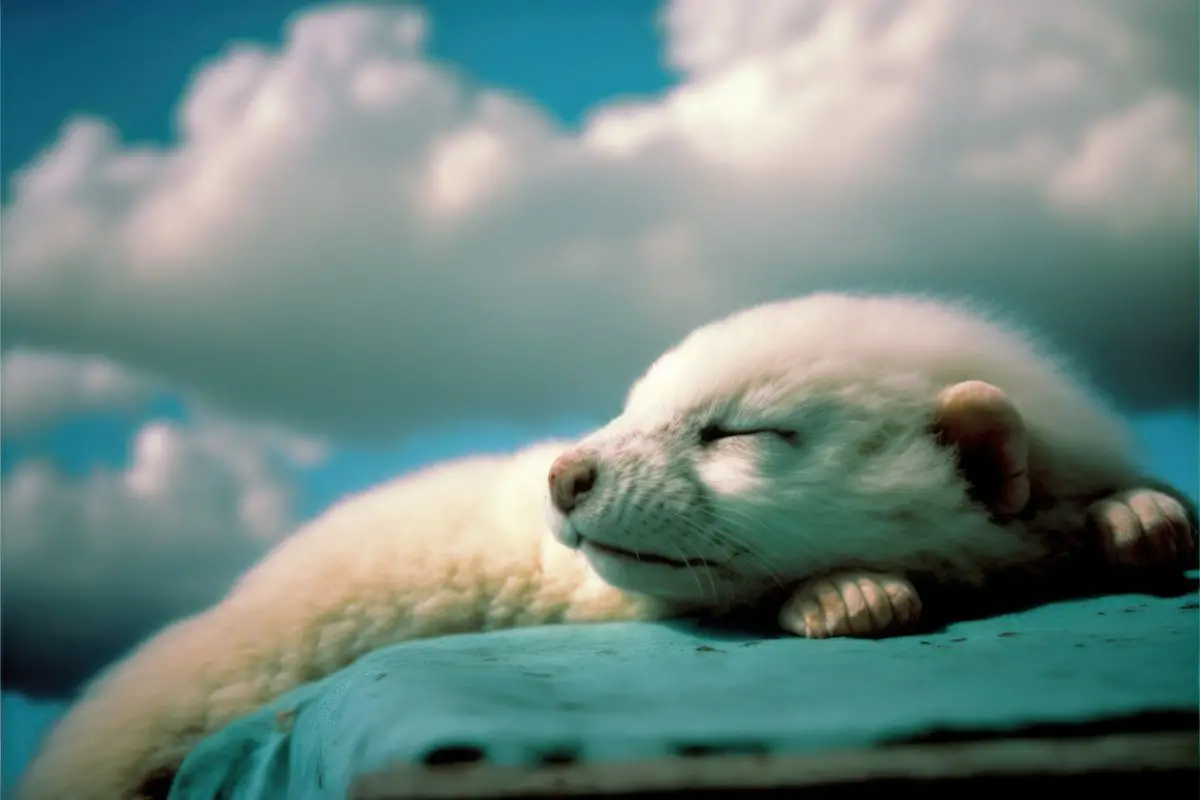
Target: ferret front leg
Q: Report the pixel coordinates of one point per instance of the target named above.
(1144, 528)
(852, 603)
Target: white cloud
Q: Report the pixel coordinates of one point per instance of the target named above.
(96, 561)
(351, 237)
(38, 389)
(1137, 168)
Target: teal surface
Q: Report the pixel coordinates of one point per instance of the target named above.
(638, 691)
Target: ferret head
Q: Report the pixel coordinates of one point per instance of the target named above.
(779, 442)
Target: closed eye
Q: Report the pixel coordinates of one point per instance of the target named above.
(714, 432)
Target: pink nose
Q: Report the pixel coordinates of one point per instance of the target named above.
(572, 476)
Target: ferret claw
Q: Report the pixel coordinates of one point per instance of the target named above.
(1144, 528)
(854, 604)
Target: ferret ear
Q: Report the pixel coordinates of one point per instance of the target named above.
(991, 440)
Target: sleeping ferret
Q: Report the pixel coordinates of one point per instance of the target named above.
(845, 449)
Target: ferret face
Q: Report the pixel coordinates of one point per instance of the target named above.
(743, 459)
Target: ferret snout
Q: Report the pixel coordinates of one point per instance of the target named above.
(572, 475)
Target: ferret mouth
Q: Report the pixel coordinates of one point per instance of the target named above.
(645, 558)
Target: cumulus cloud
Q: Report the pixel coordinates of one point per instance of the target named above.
(350, 237)
(93, 562)
(38, 389)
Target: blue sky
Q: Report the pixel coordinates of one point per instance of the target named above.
(131, 61)
(118, 40)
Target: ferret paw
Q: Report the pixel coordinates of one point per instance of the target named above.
(857, 604)
(1144, 528)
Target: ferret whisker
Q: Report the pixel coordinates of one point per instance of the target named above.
(718, 533)
(721, 537)
(695, 528)
(692, 571)
(635, 504)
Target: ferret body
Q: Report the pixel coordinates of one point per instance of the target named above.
(460, 546)
(792, 445)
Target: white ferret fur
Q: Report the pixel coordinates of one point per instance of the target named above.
(476, 544)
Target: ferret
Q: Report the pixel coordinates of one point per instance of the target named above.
(844, 449)
(847, 448)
